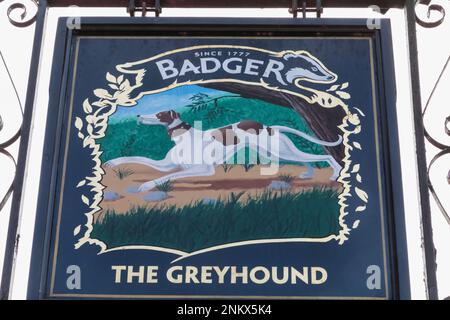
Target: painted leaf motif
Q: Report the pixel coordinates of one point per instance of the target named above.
(356, 224)
(90, 119)
(120, 79)
(102, 93)
(360, 111)
(333, 88)
(343, 95)
(344, 85)
(362, 194)
(357, 145)
(76, 230)
(360, 208)
(358, 178)
(87, 107)
(98, 103)
(125, 85)
(90, 129)
(81, 183)
(85, 200)
(355, 168)
(78, 123)
(110, 77)
(113, 86)
(86, 142)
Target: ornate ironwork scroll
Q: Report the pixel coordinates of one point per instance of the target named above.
(27, 18)
(444, 148)
(10, 140)
(431, 23)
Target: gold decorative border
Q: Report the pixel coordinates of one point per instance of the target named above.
(94, 125)
(350, 125)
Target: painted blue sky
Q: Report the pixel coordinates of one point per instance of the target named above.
(171, 99)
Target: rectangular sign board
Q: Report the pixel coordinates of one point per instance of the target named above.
(235, 158)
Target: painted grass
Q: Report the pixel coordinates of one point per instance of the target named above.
(128, 138)
(288, 178)
(312, 214)
(166, 186)
(122, 173)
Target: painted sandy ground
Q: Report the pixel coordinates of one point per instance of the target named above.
(189, 190)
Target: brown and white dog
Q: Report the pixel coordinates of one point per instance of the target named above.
(197, 152)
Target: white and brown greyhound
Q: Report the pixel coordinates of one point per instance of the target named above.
(219, 144)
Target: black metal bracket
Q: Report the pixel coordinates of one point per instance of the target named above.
(133, 7)
(295, 9)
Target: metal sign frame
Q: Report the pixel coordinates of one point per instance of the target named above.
(24, 133)
(55, 124)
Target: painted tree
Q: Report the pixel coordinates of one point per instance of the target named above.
(201, 101)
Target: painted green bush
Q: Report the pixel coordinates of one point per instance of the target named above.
(128, 138)
(270, 215)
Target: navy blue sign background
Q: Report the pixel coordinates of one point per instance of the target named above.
(348, 265)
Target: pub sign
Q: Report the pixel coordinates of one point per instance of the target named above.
(216, 159)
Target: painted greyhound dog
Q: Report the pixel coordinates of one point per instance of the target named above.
(229, 140)
(234, 137)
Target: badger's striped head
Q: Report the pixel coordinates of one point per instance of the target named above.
(308, 68)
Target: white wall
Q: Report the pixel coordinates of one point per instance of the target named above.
(434, 50)
(432, 56)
